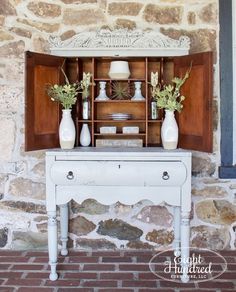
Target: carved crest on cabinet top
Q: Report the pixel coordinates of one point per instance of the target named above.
(119, 42)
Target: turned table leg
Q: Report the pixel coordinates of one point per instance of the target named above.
(176, 244)
(64, 228)
(185, 235)
(52, 244)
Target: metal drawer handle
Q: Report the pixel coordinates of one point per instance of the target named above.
(165, 175)
(70, 175)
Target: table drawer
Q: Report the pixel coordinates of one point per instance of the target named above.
(118, 173)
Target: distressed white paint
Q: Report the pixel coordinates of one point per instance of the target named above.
(119, 42)
(110, 175)
(118, 173)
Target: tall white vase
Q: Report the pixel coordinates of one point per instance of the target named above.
(66, 130)
(169, 131)
(85, 138)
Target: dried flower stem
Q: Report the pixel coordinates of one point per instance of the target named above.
(169, 96)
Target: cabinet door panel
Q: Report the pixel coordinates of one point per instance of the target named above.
(195, 120)
(41, 114)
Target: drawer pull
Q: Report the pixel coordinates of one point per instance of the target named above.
(165, 175)
(70, 175)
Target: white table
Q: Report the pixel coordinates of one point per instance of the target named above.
(108, 175)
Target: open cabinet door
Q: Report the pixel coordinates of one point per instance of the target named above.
(41, 114)
(195, 120)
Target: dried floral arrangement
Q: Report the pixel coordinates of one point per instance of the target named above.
(169, 97)
(84, 84)
(67, 93)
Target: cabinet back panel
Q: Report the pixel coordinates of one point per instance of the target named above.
(72, 69)
(102, 69)
(84, 65)
(168, 72)
(43, 106)
(154, 134)
(154, 65)
(137, 67)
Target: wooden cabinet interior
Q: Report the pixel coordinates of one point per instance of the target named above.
(194, 121)
(140, 68)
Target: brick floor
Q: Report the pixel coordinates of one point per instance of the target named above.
(111, 271)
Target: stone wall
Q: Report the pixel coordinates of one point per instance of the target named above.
(26, 25)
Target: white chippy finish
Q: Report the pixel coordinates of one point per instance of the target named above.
(123, 174)
(119, 42)
(116, 173)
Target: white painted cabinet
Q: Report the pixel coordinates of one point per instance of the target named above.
(111, 175)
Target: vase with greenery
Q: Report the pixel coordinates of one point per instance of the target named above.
(169, 98)
(66, 95)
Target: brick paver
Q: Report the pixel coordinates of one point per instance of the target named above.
(101, 271)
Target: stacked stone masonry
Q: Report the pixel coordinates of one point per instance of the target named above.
(26, 25)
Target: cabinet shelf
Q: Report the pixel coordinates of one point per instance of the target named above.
(119, 121)
(120, 80)
(84, 121)
(120, 101)
(155, 121)
(154, 145)
(119, 134)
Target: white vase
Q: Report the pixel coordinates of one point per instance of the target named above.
(102, 93)
(85, 108)
(137, 93)
(85, 138)
(169, 131)
(119, 70)
(67, 130)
